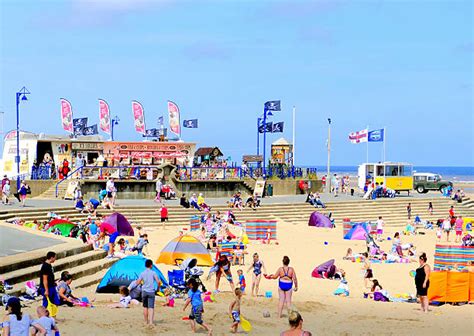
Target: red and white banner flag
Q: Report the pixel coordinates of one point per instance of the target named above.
(358, 137)
(104, 116)
(173, 111)
(66, 115)
(139, 117)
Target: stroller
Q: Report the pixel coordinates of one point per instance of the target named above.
(192, 271)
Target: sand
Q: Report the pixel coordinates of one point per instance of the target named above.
(322, 312)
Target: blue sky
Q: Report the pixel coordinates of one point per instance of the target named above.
(405, 65)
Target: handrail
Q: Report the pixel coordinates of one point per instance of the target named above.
(65, 178)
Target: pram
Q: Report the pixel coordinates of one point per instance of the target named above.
(191, 271)
(176, 282)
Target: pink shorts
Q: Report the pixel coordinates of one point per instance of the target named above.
(23, 197)
(458, 233)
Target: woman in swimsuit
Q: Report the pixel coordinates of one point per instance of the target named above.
(257, 266)
(286, 278)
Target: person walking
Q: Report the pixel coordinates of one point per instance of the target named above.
(409, 210)
(430, 208)
(158, 187)
(148, 278)
(422, 282)
(23, 191)
(380, 224)
(286, 276)
(6, 193)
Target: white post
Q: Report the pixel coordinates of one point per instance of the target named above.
(2, 114)
(294, 135)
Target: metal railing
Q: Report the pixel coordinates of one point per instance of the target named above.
(238, 173)
(101, 173)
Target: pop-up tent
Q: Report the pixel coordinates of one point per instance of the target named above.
(63, 225)
(120, 223)
(124, 271)
(358, 232)
(319, 220)
(182, 248)
(327, 268)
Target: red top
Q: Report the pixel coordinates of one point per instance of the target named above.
(451, 212)
(107, 228)
(164, 212)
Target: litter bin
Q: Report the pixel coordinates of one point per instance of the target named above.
(269, 190)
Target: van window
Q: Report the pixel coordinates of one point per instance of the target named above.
(420, 178)
(406, 171)
(431, 178)
(391, 170)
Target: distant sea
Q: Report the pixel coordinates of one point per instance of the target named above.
(454, 174)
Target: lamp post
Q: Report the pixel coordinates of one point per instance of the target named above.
(115, 121)
(20, 94)
(328, 178)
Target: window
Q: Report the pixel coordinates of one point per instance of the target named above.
(391, 170)
(380, 171)
(406, 170)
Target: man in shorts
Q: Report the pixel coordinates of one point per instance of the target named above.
(147, 279)
(108, 230)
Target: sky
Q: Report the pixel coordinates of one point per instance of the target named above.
(406, 66)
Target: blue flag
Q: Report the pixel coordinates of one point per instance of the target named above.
(90, 130)
(152, 132)
(273, 105)
(268, 128)
(278, 127)
(192, 123)
(376, 135)
(160, 121)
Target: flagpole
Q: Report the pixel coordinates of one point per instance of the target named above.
(264, 140)
(258, 136)
(328, 177)
(294, 136)
(367, 158)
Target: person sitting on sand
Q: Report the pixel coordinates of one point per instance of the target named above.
(296, 325)
(376, 287)
(17, 323)
(64, 290)
(125, 299)
(343, 288)
(286, 279)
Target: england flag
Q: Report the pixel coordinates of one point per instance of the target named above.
(358, 137)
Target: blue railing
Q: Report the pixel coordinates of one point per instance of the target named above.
(238, 173)
(119, 173)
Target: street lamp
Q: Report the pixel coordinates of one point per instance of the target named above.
(20, 95)
(115, 121)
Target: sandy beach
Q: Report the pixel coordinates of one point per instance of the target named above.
(323, 313)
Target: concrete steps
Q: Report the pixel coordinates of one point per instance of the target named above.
(50, 193)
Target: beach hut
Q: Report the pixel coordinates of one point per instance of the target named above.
(319, 220)
(258, 229)
(124, 271)
(184, 247)
(446, 256)
(358, 232)
(120, 223)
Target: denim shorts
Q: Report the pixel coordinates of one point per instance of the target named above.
(196, 314)
(148, 299)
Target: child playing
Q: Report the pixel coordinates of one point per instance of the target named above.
(125, 299)
(343, 288)
(169, 296)
(268, 237)
(194, 297)
(242, 284)
(45, 321)
(141, 243)
(439, 234)
(164, 215)
(234, 310)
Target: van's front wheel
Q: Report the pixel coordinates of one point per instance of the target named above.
(420, 189)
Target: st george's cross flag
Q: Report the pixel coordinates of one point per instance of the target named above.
(358, 137)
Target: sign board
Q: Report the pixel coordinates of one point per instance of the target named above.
(259, 188)
(87, 146)
(69, 195)
(252, 158)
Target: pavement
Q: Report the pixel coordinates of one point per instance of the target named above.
(48, 203)
(14, 241)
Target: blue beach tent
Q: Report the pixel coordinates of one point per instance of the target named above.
(358, 232)
(124, 271)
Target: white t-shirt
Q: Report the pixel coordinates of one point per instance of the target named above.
(125, 301)
(379, 224)
(110, 186)
(446, 225)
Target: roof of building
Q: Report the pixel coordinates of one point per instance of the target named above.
(203, 151)
(281, 141)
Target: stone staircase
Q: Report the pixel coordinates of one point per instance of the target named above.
(80, 260)
(50, 193)
(393, 212)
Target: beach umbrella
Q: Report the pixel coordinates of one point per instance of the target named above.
(120, 223)
(57, 221)
(182, 248)
(319, 220)
(65, 228)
